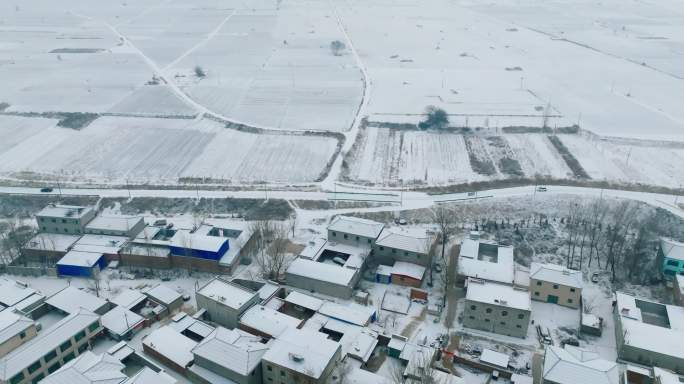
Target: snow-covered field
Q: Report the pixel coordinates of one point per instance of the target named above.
(614, 66)
(118, 149)
(386, 156)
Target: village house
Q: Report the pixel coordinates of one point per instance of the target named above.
(354, 231)
(402, 244)
(115, 225)
(15, 330)
(485, 260)
(671, 257)
(556, 284)
(497, 308)
(231, 355)
(171, 348)
(225, 301)
(649, 333)
(50, 349)
(573, 365)
(67, 219)
(328, 279)
(300, 355)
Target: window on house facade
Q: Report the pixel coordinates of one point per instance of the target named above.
(569, 301)
(521, 316)
(334, 234)
(54, 367)
(555, 286)
(473, 307)
(488, 310)
(65, 345)
(669, 272)
(346, 236)
(539, 283)
(504, 313)
(22, 334)
(572, 289)
(50, 355)
(93, 327)
(17, 378)
(369, 241)
(382, 248)
(34, 367)
(394, 250)
(536, 293)
(487, 320)
(358, 238)
(79, 336)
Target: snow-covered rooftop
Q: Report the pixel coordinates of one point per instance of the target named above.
(46, 341)
(268, 321)
(150, 250)
(11, 324)
(171, 344)
(556, 274)
(12, 292)
(162, 294)
(574, 365)
(100, 243)
(356, 226)
(472, 262)
(113, 223)
(57, 242)
(498, 294)
(120, 320)
(333, 274)
(182, 321)
(89, 368)
(357, 254)
(358, 342)
(128, 298)
(227, 293)
(304, 351)
(148, 376)
(71, 299)
(313, 248)
(351, 313)
(304, 301)
(63, 211)
(80, 259)
(672, 249)
(411, 270)
(495, 358)
(412, 240)
(187, 240)
(651, 337)
(235, 350)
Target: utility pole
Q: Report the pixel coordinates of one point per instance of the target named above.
(629, 154)
(129, 189)
(679, 192)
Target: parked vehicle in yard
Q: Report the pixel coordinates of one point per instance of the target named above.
(46, 189)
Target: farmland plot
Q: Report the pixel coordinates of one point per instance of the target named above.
(149, 150)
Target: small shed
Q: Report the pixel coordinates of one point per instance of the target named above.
(494, 359)
(166, 296)
(383, 274)
(121, 323)
(591, 324)
(82, 264)
(407, 274)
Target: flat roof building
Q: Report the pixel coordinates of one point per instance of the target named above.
(556, 284)
(497, 308)
(81, 264)
(328, 279)
(225, 301)
(302, 355)
(267, 322)
(67, 219)
(166, 296)
(116, 225)
(121, 323)
(19, 295)
(649, 333)
(354, 230)
(402, 244)
(231, 354)
(485, 260)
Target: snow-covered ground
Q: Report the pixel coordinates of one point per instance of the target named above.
(611, 65)
(386, 156)
(116, 149)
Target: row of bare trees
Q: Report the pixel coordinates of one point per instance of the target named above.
(618, 237)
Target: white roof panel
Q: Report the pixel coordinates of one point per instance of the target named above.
(171, 344)
(574, 365)
(321, 271)
(556, 274)
(80, 259)
(356, 226)
(114, 223)
(303, 351)
(494, 358)
(351, 313)
(304, 301)
(184, 239)
(65, 211)
(268, 321)
(411, 270)
(163, 294)
(672, 249)
(57, 242)
(235, 350)
(498, 294)
(71, 299)
(12, 292)
(412, 240)
(227, 293)
(120, 320)
(501, 270)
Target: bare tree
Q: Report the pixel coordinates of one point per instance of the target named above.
(292, 223)
(337, 47)
(16, 236)
(271, 253)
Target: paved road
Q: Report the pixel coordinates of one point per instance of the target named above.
(403, 200)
